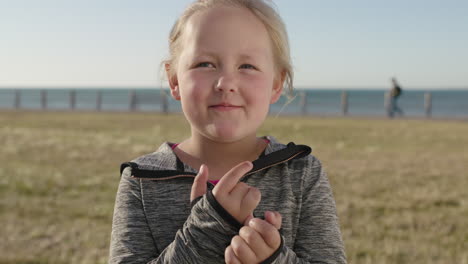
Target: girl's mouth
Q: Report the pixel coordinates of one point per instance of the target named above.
(224, 107)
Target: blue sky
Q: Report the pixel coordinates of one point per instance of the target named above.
(335, 44)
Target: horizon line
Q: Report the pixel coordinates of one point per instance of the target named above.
(68, 87)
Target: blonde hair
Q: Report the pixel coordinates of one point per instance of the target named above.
(264, 10)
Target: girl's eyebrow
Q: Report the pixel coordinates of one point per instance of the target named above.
(243, 56)
(249, 55)
(204, 53)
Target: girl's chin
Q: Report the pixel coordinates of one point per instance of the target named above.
(225, 134)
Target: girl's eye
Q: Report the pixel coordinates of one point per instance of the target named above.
(247, 66)
(205, 64)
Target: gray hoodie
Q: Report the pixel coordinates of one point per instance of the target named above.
(154, 221)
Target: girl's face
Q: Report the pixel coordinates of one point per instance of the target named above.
(226, 77)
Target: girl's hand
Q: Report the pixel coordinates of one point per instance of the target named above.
(256, 241)
(237, 198)
(199, 183)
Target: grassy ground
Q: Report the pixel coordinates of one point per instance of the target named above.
(400, 185)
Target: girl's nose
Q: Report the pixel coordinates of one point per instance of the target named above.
(226, 84)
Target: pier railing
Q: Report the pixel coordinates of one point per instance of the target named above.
(388, 104)
(91, 100)
(157, 100)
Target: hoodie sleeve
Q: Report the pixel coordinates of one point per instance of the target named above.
(318, 237)
(203, 238)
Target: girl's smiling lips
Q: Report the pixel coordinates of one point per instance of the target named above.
(224, 107)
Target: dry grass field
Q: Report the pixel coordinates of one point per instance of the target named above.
(400, 185)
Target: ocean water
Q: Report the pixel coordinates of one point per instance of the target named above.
(445, 103)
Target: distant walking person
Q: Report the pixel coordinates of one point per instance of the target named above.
(394, 94)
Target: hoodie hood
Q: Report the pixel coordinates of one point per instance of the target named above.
(164, 164)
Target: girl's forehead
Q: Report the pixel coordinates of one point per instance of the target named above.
(222, 27)
(225, 19)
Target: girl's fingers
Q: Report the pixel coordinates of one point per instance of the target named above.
(231, 178)
(255, 241)
(251, 199)
(242, 251)
(199, 183)
(274, 218)
(246, 222)
(239, 191)
(230, 257)
(268, 232)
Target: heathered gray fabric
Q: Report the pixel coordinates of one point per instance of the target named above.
(153, 221)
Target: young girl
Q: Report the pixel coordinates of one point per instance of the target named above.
(224, 194)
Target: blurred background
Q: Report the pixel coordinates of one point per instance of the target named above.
(399, 183)
(335, 44)
(105, 50)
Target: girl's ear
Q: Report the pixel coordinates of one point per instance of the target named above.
(277, 88)
(173, 82)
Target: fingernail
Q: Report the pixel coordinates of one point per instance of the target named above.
(202, 167)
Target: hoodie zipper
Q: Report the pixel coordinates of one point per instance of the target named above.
(193, 176)
(274, 164)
